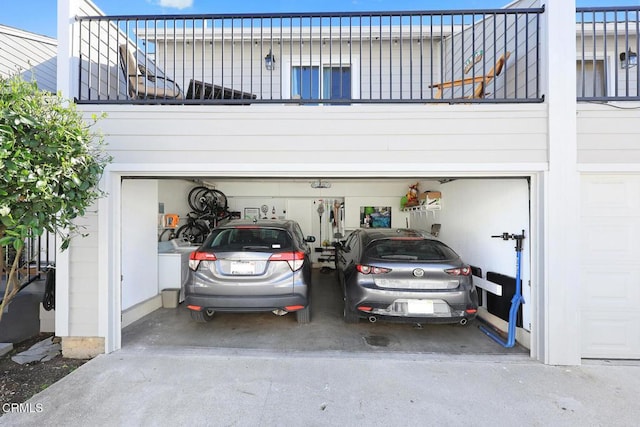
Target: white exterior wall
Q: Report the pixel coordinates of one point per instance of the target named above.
(31, 55)
(83, 278)
(80, 303)
(608, 135)
(377, 134)
(559, 315)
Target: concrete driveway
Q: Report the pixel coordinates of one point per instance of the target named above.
(263, 370)
(224, 387)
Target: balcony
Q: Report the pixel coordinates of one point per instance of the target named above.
(607, 44)
(474, 56)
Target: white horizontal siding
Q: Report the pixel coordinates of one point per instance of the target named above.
(607, 134)
(30, 55)
(295, 134)
(83, 279)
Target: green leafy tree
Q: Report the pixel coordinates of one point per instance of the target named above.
(50, 166)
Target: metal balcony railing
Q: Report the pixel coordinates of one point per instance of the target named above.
(608, 46)
(316, 58)
(37, 256)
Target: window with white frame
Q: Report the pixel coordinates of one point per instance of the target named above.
(326, 82)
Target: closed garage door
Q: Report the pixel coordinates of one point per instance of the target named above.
(610, 266)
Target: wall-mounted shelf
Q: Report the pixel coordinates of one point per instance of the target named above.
(421, 210)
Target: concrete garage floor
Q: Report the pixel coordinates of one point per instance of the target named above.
(327, 332)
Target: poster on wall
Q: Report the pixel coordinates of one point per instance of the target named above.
(251, 213)
(375, 216)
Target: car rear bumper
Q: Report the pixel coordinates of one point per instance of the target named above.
(462, 319)
(448, 306)
(246, 303)
(455, 316)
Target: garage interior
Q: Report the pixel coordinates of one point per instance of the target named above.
(467, 213)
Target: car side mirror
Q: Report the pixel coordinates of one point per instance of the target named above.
(310, 239)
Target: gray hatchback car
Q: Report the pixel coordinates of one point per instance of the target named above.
(401, 275)
(250, 266)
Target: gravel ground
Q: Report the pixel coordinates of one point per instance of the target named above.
(19, 382)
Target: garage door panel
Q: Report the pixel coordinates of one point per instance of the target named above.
(610, 241)
(604, 290)
(610, 266)
(616, 195)
(604, 337)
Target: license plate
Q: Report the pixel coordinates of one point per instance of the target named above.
(243, 268)
(420, 306)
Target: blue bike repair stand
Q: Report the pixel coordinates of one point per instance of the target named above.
(517, 296)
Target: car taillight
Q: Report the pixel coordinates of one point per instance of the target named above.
(295, 259)
(459, 271)
(369, 269)
(197, 256)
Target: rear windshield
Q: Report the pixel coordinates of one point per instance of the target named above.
(234, 239)
(409, 250)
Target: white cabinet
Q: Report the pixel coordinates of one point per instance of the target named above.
(172, 269)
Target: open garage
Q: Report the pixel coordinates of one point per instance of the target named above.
(467, 214)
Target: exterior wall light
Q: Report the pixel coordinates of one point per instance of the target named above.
(269, 61)
(628, 59)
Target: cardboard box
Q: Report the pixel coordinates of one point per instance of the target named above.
(431, 199)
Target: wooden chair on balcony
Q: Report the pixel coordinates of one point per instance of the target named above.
(142, 83)
(479, 83)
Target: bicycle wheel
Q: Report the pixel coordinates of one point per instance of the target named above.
(195, 199)
(215, 201)
(192, 233)
(204, 200)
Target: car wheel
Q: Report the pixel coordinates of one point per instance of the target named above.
(202, 316)
(304, 315)
(350, 316)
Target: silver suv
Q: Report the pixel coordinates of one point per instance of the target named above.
(247, 266)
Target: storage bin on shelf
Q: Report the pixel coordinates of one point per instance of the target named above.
(431, 199)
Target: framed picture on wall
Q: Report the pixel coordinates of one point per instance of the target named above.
(375, 216)
(251, 213)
